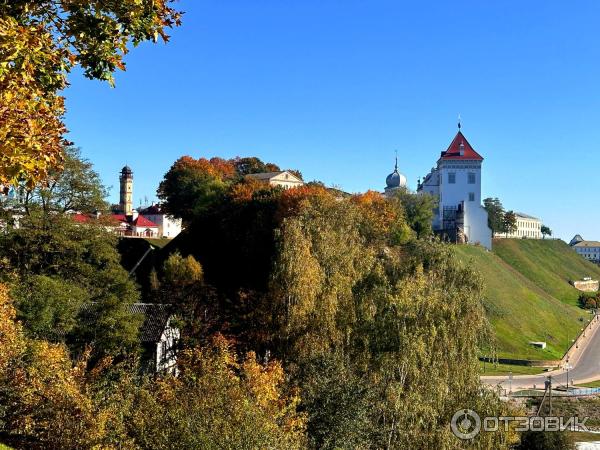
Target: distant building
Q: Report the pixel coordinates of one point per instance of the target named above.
(528, 227)
(456, 183)
(158, 336)
(590, 250)
(126, 191)
(149, 222)
(282, 178)
(168, 226)
(394, 181)
(135, 225)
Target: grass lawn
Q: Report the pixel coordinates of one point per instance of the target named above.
(506, 369)
(591, 384)
(520, 311)
(550, 264)
(158, 242)
(586, 437)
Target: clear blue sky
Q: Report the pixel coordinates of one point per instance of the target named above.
(333, 87)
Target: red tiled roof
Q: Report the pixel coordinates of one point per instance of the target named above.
(453, 151)
(141, 221)
(120, 217)
(81, 218)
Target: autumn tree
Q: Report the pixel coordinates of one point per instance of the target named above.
(218, 402)
(43, 402)
(192, 187)
(402, 317)
(40, 42)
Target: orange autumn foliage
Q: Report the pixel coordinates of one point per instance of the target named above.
(46, 394)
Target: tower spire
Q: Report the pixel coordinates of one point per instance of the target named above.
(396, 164)
(459, 124)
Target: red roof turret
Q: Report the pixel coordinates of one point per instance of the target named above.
(461, 149)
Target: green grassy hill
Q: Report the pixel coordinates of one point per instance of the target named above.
(550, 264)
(527, 294)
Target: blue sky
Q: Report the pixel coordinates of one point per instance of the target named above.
(333, 87)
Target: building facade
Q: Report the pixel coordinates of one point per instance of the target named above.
(168, 226)
(284, 179)
(528, 227)
(456, 183)
(590, 250)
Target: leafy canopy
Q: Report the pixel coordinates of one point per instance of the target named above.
(40, 42)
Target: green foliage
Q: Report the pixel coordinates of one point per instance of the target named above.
(499, 220)
(179, 271)
(76, 187)
(509, 223)
(84, 257)
(546, 231)
(248, 165)
(588, 300)
(408, 318)
(418, 210)
(49, 306)
(495, 211)
(193, 187)
(539, 440)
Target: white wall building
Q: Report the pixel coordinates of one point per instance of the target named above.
(456, 182)
(590, 250)
(283, 178)
(168, 226)
(528, 227)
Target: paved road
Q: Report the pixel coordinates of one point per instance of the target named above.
(585, 363)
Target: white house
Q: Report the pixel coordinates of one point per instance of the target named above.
(135, 225)
(282, 178)
(158, 336)
(168, 226)
(456, 182)
(590, 250)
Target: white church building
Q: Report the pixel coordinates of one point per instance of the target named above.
(456, 183)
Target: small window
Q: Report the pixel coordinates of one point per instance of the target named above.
(471, 196)
(471, 177)
(452, 178)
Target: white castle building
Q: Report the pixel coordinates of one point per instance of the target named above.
(456, 183)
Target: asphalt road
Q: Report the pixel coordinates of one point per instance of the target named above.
(584, 363)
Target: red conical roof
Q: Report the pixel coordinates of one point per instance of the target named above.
(453, 151)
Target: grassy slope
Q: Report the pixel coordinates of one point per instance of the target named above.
(520, 310)
(550, 264)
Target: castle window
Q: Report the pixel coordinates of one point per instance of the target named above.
(471, 178)
(452, 178)
(471, 196)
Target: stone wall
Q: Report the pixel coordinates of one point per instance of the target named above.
(586, 286)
